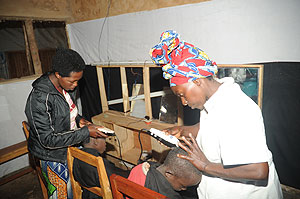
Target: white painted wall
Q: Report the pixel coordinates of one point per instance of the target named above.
(229, 31)
(13, 97)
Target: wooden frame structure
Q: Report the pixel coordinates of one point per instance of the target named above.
(127, 127)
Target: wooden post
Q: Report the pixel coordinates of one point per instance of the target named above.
(33, 47)
(146, 80)
(260, 86)
(29, 61)
(102, 91)
(126, 104)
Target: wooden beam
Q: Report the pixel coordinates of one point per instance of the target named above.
(29, 60)
(146, 81)
(33, 47)
(129, 122)
(127, 65)
(102, 89)
(260, 86)
(126, 104)
(13, 151)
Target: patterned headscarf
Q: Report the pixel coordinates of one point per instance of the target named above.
(182, 62)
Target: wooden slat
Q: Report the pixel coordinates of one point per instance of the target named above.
(128, 65)
(260, 86)
(33, 47)
(134, 123)
(126, 105)
(27, 51)
(239, 66)
(13, 151)
(135, 91)
(146, 81)
(122, 186)
(102, 89)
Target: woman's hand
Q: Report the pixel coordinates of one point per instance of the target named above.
(195, 154)
(175, 131)
(179, 131)
(83, 122)
(95, 132)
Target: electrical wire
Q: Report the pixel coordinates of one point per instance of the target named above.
(107, 14)
(121, 153)
(141, 146)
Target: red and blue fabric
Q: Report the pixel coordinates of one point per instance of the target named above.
(181, 62)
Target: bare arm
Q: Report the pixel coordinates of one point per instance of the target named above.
(257, 171)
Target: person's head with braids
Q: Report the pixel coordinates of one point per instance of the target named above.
(188, 68)
(68, 68)
(180, 173)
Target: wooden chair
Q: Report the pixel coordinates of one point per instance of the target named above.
(122, 187)
(104, 191)
(36, 163)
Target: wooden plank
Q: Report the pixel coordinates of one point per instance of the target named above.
(102, 89)
(27, 51)
(146, 81)
(131, 122)
(126, 105)
(238, 66)
(13, 151)
(129, 65)
(136, 88)
(33, 47)
(260, 86)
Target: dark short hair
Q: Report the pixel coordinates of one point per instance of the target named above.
(179, 166)
(66, 61)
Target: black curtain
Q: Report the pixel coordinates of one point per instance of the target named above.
(89, 93)
(281, 110)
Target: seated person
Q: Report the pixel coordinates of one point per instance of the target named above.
(170, 178)
(86, 174)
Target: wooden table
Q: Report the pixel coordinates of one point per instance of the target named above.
(127, 129)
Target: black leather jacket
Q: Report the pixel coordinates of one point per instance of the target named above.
(48, 115)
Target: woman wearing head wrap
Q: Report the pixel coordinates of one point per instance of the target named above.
(230, 147)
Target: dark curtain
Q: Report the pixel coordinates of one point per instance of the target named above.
(281, 110)
(89, 93)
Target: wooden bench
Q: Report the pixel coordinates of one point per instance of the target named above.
(10, 153)
(13, 151)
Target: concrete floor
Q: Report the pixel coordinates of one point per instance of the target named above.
(25, 187)
(28, 187)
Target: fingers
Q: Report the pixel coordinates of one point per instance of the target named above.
(184, 157)
(187, 142)
(101, 134)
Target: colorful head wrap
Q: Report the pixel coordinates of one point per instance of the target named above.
(182, 62)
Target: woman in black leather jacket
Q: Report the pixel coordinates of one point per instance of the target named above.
(54, 120)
